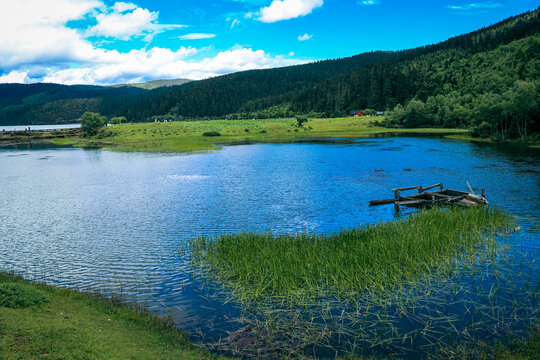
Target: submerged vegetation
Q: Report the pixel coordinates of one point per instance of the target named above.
(39, 321)
(435, 284)
(373, 258)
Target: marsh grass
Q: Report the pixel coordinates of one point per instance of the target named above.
(376, 257)
(443, 283)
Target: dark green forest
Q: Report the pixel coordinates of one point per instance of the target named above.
(487, 80)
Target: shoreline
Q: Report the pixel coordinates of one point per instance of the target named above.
(187, 136)
(65, 323)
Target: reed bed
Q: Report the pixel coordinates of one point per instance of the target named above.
(376, 257)
(445, 283)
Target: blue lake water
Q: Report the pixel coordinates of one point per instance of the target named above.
(110, 221)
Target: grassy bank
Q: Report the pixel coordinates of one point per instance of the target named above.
(532, 141)
(39, 321)
(373, 258)
(188, 135)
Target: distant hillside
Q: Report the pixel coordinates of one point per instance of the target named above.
(154, 84)
(448, 81)
(43, 103)
(29, 104)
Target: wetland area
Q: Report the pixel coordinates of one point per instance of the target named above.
(142, 226)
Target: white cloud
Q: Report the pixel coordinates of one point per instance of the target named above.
(197, 36)
(14, 77)
(234, 23)
(34, 31)
(123, 26)
(287, 9)
(474, 6)
(37, 45)
(369, 2)
(304, 37)
(123, 6)
(158, 63)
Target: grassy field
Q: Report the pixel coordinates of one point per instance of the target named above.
(43, 322)
(188, 135)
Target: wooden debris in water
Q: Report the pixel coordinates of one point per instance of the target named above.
(428, 199)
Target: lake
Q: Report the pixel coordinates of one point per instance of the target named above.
(40, 127)
(113, 222)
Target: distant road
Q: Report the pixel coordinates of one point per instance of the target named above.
(40, 127)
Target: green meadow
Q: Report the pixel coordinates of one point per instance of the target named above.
(185, 136)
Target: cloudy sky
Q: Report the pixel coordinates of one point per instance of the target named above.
(109, 42)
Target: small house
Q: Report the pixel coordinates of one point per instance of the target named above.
(356, 113)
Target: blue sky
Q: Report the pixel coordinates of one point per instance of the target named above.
(106, 42)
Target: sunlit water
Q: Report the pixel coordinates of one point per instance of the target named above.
(113, 222)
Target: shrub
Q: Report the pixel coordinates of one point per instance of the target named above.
(301, 120)
(482, 130)
(211, 133)
(92, 122)
(19, 296)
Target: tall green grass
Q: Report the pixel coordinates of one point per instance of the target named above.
(374, 258)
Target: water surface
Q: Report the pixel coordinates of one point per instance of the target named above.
(113, 222)
(40, 127)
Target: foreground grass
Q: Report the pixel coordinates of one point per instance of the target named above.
(187, 135)
(51, 323)
(373, 258)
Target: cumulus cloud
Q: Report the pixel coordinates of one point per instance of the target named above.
(197, 36)
(474, 6)
(36, 44)
(287, 9)
(158, 63)
(34, 31)
(14, 77)
(123, 6)
(121, 25)
(304, 37)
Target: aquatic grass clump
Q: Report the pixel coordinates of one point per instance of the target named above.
(376, 257)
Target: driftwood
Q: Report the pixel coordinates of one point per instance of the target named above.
(431, 198)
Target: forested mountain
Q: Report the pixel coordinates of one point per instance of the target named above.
(447, 84)
(227, 94)
(41, 103)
